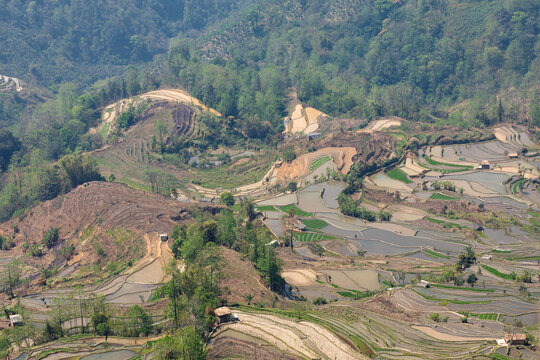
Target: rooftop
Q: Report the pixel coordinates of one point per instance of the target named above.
(514, 337)
(223, 311)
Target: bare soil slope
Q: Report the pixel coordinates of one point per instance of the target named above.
(241, 278)
(95, 215)
(342, 157)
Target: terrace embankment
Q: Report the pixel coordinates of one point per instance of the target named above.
(101, 220)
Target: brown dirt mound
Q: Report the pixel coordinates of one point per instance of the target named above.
(300, 167)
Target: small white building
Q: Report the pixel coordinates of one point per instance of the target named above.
(423, 283)
(163, 237)
(15, 320)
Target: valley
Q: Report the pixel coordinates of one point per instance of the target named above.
(366, 273)
(270, 180)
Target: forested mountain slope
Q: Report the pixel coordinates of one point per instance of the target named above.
(464, 63)
(416, 59)
(56, 41)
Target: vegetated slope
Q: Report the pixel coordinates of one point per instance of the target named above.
(57, 41)
(374, 58)
(94, 216)
(162, 123)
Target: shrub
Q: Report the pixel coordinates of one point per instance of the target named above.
(435, 317)
(51, 237)
(226, 199)
(288, 154)
(319, 301)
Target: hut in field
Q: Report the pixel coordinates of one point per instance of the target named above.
(484, 165)
(223, 314)
(15, 320)
(513, 155)
(515, 339)
(313, 136)
(163, 237)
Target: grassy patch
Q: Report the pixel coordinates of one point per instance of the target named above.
(87, 233)
(135, 185)
(517, 184)
(436, 254)
(445, 224)
(439, 196)
(315, 223)
(497, 272)
(435, 162)
(318, 162)
(299, 212)
(499, 357)
(398, 174)
(461, 288)
(523, 258)
(229, 178)
(443, 171)
(311, 236)
(427, 297)
(265, 208)
(104, 131)
(501, 251)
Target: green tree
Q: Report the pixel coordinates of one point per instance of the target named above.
(247, 208)
(226, 228)
(9, 144)
(384, 215)
(51, 237)
(193, 243)
(288, 154)
(226, 199)
(467, 258)
(5, 344)
(11, 277)
(187, 344)
(139, 322)
(78, 169)
(472, 279)
(292, 186)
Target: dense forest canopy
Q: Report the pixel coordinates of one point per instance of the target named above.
(55, 41)
(423, 60)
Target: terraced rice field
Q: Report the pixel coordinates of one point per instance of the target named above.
(497, 272)
(439, 196)
(517, 186)
(435, 254)
(319, 162)
(489, 316)
(437, 163)
(375, 335)
(289, 208)
(315, 223)
(398, 174)
(461, 288)
(442, 301)
(443, 171)
(264, 208)
(310, 237)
